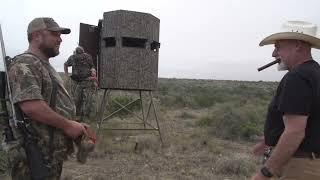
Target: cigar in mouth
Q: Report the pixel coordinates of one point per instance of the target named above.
(269, 64)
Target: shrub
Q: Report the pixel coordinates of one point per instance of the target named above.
(204, 121)
(235, 120)
(186, 115)
(235, 164)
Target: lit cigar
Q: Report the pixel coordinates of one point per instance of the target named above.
(269, 64)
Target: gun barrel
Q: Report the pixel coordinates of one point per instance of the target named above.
(3, 51)
(269, 64)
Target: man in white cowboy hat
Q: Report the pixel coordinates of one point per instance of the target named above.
(291, 143)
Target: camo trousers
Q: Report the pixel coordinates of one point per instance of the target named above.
(19, 166)
(84, 96)
(20, 171)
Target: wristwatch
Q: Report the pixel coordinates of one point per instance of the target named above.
(265, 172)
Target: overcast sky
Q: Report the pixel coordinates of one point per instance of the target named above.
(207, 39)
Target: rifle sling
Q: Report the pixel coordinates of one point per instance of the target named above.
(52, 105)
(53, 99)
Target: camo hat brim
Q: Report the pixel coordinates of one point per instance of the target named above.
(46, 23)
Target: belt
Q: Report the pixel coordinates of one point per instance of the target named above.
(297, 154)
(303, 154)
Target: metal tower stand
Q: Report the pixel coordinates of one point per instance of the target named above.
(143, 118)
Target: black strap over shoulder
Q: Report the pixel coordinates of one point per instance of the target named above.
(53, 100)
(52, 103)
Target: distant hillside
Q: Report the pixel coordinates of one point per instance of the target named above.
(204, 93)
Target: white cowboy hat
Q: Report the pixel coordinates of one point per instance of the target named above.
(299, 30)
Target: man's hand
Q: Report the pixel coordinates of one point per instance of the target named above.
(74, 129)
(93, 77)
(259, 148)
(90, 133)
(259, 176)
(95, 81)
(93, 72)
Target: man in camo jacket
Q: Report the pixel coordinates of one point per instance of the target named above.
(84, 83)
(31, 79)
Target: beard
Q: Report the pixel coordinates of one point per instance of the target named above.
(282, 66)
(48, 51)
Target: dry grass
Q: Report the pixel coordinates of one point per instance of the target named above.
(189, 152)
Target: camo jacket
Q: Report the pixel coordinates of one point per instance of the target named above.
(30, 79)
(81, 64)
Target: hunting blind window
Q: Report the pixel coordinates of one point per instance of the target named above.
(110, 41)
(134, 42)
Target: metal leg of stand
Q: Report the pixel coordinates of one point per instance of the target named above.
(144, 118)
(141, 104)
(102, 108)
(148, 112)
(156, 116)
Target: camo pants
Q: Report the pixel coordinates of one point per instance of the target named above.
(83, 94)
(18, 164)
(20, 171)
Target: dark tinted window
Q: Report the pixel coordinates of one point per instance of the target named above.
(134, 42)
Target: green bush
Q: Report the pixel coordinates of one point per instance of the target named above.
(235, 164)
(206, 97)
(186, 115)
(238, 107)
(204, 121)
(233, 120)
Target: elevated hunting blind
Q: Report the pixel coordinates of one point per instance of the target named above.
(125, 46)
(127, 50)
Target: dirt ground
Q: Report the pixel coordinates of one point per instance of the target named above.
(188, 152)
